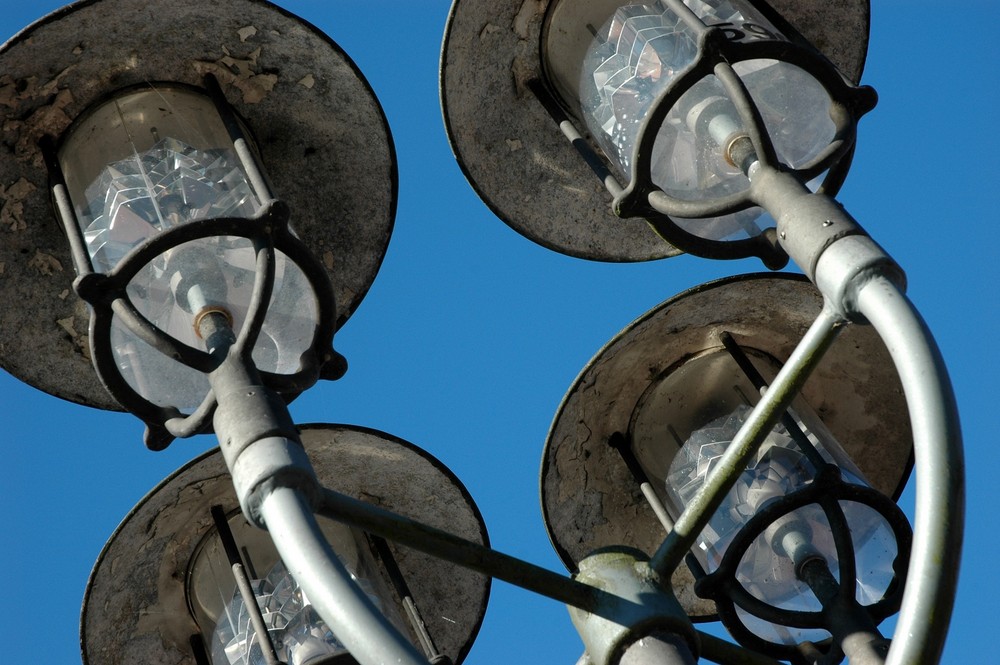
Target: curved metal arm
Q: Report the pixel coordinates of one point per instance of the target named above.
(342, 604)
(937, 442)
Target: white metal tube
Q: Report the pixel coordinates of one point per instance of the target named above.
(658, 649)
(339, 601)
(937, 441)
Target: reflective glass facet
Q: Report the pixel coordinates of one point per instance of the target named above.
(681, 429)
(296, 631)
(154, 159)
(164, 187)
(641, 51)
(778, 468)
(767, 569)
(298, 634)
(632, 59)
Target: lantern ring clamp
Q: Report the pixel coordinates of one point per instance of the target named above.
(827, 491)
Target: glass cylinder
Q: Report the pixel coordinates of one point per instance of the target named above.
(148, 160)
(156, 158)
(298, 634)
(680, 429)
(611, 62)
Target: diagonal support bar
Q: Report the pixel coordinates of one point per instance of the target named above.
(759, 424)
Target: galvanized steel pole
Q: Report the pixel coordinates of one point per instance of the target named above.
(937, 442)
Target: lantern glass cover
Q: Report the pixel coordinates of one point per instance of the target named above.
(148, 160)
(644, 48)
(298, 634)
(224, 272)
(153, 159)
(683, 425)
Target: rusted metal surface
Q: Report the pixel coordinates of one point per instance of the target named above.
(323, 137)
(135, 609)
(589, 498)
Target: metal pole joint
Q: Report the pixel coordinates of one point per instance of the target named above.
(823, 239)
(652, 616)
(258, 439)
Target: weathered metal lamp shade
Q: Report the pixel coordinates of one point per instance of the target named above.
(163, 588)
(800, 502)
(205, 157)
(668, 379)
(651, 86)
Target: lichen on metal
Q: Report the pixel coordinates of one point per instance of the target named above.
(240, 73)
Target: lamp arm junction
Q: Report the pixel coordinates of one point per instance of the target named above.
(276, 485)
(474, 556)
(862, 282)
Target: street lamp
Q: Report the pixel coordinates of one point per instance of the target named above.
(258, 132)
(166, 588)
(175, 162)
(655, 97)
(170, 172)
(660, 404)
(721, 128)
(213, 302)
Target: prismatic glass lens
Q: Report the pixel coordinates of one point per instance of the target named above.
(148, 160)
(296, 631)
(777, 468)
(170, 184)
(632, 59)
(641, 51)
(155, 159)
(681, 429)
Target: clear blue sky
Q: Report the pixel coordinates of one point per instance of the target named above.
(471, 334)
